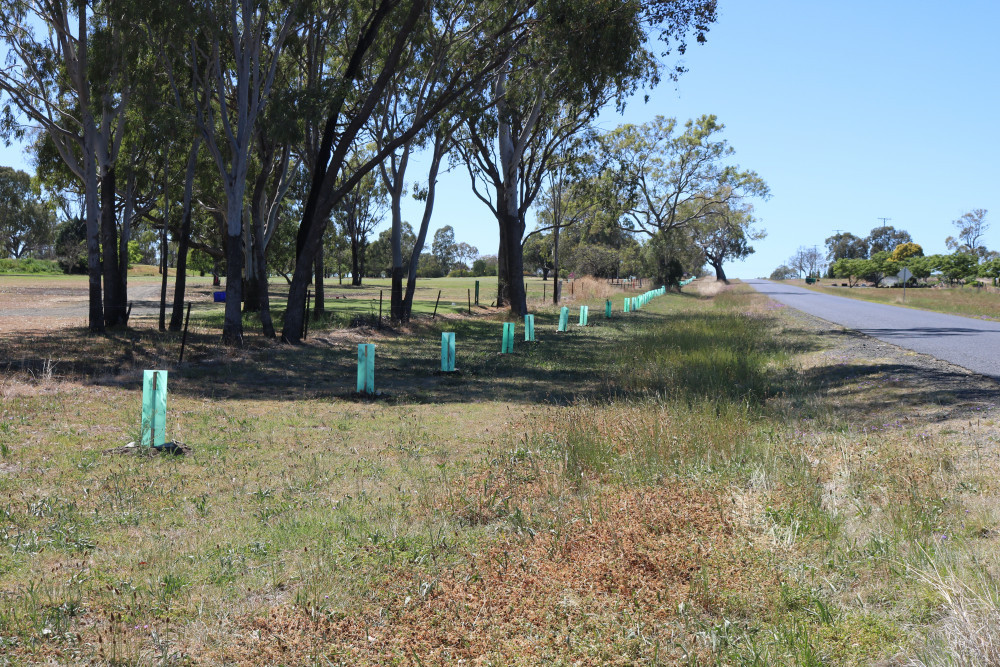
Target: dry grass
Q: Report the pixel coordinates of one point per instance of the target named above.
(535, 597)
(967, 301)
(708, 287)
(731, 488)
(589, 289)
(967, 633)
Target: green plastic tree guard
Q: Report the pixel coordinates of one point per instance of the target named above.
(153, 429)
(447, 351)
(607, 308)
(564, 318)
(625, 308)
(529, 328)
(507, 346)
(366, 368)
(477, 292)
(584, 312)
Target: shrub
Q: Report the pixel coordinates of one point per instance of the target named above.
(29, 265)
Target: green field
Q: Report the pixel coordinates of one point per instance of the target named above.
(707, 481)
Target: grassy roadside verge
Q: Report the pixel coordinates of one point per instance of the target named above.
(962, 300)
(708, 481)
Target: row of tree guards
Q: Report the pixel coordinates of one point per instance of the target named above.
(366, 351)
(154, 385)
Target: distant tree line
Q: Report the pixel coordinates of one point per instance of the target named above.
(887, 250)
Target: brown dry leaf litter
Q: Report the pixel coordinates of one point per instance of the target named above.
(628, 561)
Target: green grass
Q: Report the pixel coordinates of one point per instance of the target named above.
(695, 483)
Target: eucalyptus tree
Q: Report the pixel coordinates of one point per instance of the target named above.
(581, 57)
(233, 63)
(443, 247)
(845, 245)
(365, 51)
(73, 82)
(573, 191)
(170, 35)
(972, 226)
(670, 179)
(726, 234)
(440, 142)
(379, 260)
(25, 222)
(276, 171)
(358, 213)
(426, 69)
(886, 238)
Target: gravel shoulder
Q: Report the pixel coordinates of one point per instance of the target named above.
(899, 403)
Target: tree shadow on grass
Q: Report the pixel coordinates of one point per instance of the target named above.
(865, 389)
(558, 369)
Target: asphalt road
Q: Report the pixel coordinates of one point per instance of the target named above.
(972, 344)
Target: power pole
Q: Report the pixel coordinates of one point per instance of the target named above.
(884, 220)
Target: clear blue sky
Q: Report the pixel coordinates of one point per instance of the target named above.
(851, 111)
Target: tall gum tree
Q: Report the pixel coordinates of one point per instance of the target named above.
(671, 180)
(370, 49)
(582, 56)
(572, 193)
(725, 234)
(51, 83)
(426, 69)
(234, 70)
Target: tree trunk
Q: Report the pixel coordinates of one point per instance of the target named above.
(555, 265)
(398, 306)
(503, 284)
(163, 269)
(411, 278)
(362, 256)
(251, 295)
(516, 296)
(232, 328)
(308, 242)
(355, 262)
(180, 278)
(96, 310)
(319, 299)
(719, 273)
(263, 286)
(96, 304)
(180, 281)
(396, 301)
(114, 309)
(251, 287)
(124, 237)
